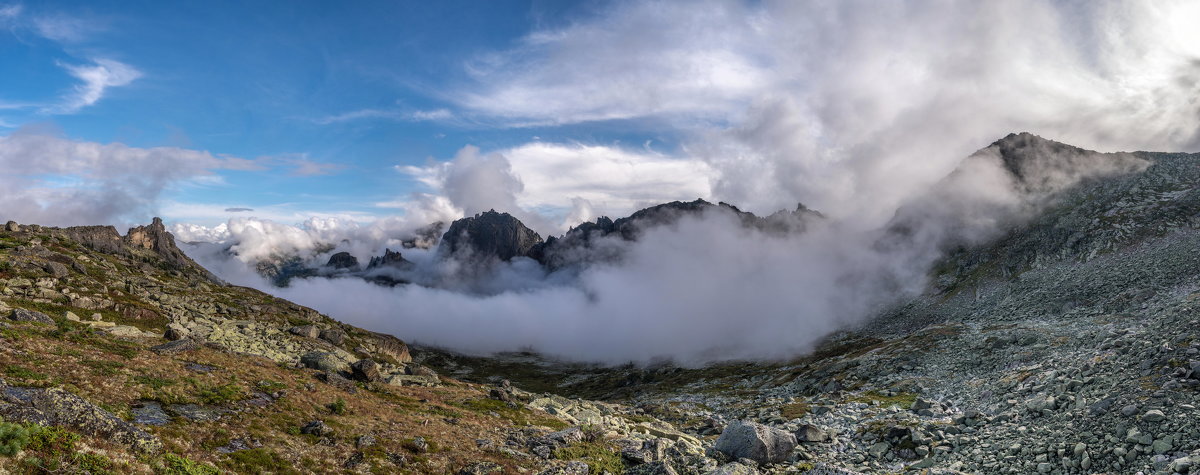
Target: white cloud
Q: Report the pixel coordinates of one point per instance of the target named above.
(697, 60)
(63, 28)
(9, 13)
(552, 178)
(55, 181)
(407, 116)
(851, 106)
(97, 78)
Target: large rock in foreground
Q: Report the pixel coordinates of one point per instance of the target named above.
(56, 407)
(756, 442)
(489, 234)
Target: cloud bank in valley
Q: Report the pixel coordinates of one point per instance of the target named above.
(852, 108)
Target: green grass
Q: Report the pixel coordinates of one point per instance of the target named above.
(901, 399)
(220, 394)
(794, 410)
(517, 415)
(21, 372)
(599, 457)
(258, 461)
(177, 465)
(154, 382)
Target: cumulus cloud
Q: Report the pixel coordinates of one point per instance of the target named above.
(96, 79)
(56, 181)
(540, 181)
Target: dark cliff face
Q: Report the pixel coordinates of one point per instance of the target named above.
(343, 260)
(489, 234)
(577, 245)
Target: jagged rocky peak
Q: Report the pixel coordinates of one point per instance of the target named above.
(1041, 166)
(389, 258)
(489, 234)
(155, 237)
(425, 237)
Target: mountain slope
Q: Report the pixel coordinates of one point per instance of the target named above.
(118, 354)
(1067, 340)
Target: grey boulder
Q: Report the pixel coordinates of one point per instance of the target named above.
(756, 442)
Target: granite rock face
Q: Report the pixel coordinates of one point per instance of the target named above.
(489, 234)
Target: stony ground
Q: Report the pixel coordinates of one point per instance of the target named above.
(1068, 345)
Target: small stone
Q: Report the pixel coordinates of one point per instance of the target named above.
(176, 332)
(811, 433)
(1129, 410)
(175, 347)
(418, 445)
(921, 403)
(317, 428)
(56, 269)
(366, 370)
(307, 331)
(364, 441)
(1153, 415)
(334, 336)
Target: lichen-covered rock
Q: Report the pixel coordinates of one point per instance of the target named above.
(56, 407)
(333, 336)
(389, 345)
(757, 442)
(366, 370)
(23, 315)
(323, 361)
(176, 347)
(306, 331)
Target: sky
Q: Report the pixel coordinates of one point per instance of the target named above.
(111, 112)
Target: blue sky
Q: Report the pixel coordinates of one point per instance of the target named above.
(339, 93)
(557, 111)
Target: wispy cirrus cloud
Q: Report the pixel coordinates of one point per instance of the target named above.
(96, 79)
(387, 114)
(65, 28)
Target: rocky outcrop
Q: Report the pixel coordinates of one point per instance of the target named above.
(56, 407)
(488, 235)
(100, 238)
(389, 259)
(393, 347)
(156, 238)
